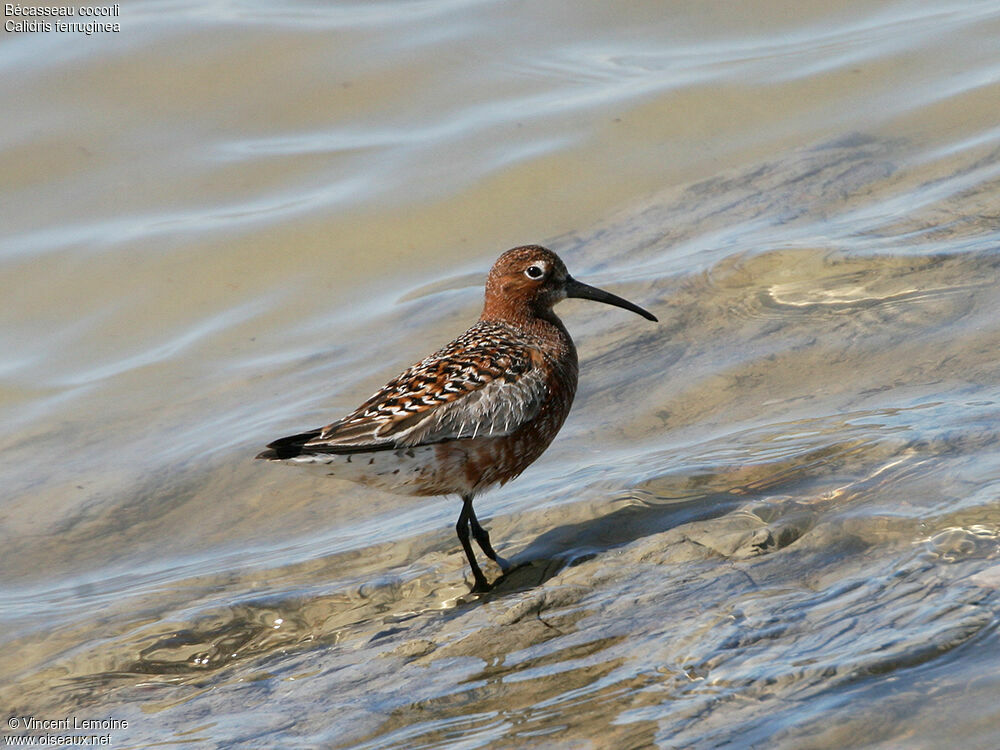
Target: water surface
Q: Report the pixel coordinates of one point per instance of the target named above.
(772, 520)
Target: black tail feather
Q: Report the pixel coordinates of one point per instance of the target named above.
(287, 447)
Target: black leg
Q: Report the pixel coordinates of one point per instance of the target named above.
(483, 538)
(462, 527)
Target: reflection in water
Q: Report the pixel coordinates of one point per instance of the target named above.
(772, 521)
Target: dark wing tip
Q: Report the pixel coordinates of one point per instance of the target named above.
(287, 447)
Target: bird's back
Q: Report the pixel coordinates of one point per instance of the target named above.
(475, 413)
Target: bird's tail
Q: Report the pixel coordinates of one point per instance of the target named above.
(287, 447)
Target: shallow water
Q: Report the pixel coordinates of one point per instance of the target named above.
(771, 520)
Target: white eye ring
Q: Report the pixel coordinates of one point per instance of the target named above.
(534, 272)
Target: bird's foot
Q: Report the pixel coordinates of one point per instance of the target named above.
(481, 586)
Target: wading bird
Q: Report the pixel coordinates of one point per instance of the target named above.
(475, 413)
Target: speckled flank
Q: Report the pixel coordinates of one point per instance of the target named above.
(402, 471)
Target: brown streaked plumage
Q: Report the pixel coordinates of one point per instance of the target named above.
(475, 413)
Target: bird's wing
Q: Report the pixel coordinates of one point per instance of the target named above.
(475, 386)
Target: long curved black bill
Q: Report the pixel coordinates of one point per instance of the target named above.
(580, 290)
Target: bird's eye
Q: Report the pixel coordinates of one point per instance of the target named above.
(534, 272)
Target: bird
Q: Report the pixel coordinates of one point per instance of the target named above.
(472, 415)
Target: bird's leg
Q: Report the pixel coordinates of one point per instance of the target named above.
(483, 538)
(462, 527)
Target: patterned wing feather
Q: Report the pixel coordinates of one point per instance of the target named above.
(483, 383)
